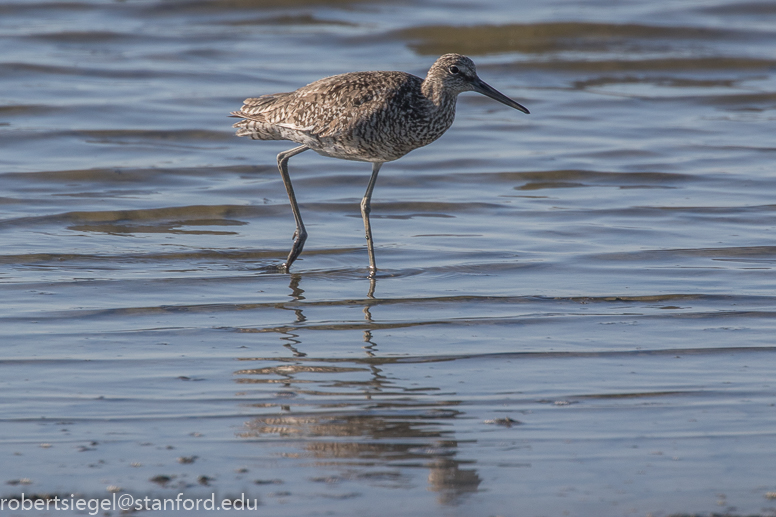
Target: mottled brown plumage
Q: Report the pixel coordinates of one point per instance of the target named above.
(374, 117)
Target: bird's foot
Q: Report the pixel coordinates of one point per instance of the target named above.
(299, 238)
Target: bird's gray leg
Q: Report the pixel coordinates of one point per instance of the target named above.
(366, 208)
(300, 235)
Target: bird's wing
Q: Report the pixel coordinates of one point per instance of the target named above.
(254, 105)
(330, 107)
(334, 106)
(296, 127)
(258, 108)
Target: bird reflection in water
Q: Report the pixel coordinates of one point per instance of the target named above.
(351, 415)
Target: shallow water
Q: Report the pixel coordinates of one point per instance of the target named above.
(575, 312)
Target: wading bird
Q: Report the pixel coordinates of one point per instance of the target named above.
(372, 117)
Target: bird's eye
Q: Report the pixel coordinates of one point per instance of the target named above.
(454, 69)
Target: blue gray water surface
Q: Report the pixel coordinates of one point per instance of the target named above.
(575, 312)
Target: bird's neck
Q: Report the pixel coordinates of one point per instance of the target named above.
(438, 94)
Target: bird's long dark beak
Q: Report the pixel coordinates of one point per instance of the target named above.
(484, 88)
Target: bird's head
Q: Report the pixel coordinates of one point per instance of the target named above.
(457, 73)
